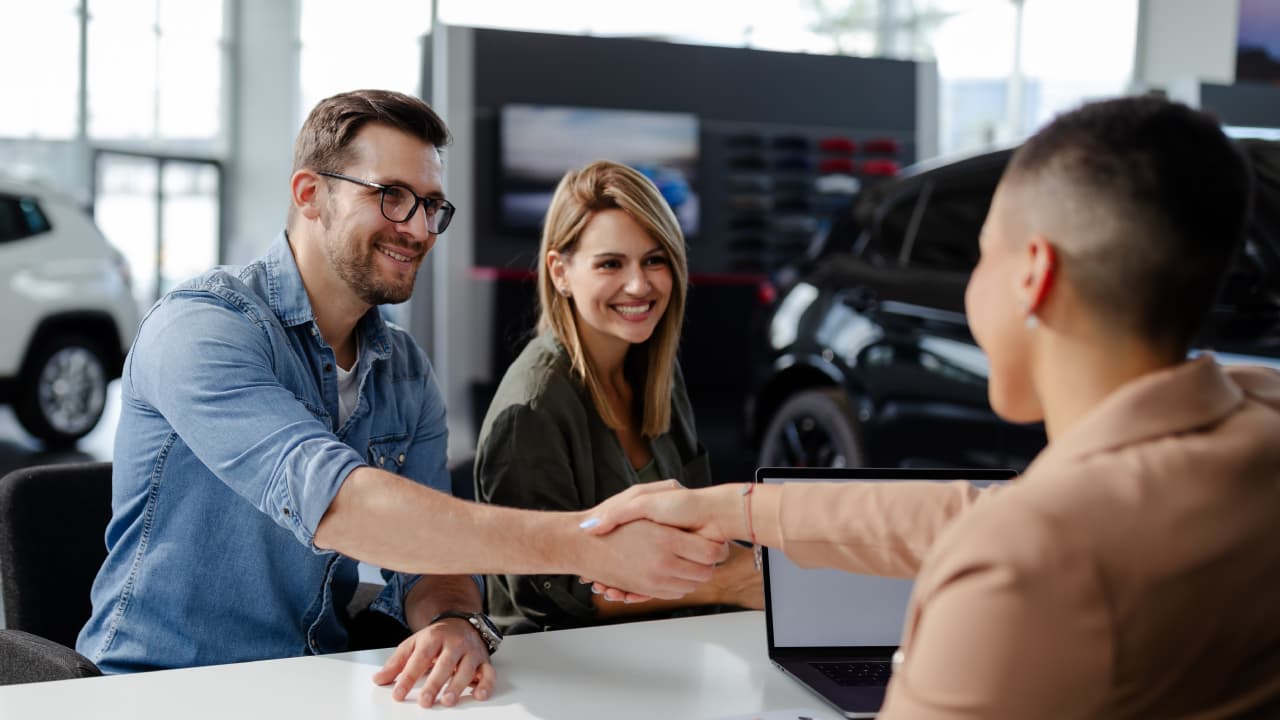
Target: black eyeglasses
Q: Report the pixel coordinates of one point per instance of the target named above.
(399, 203)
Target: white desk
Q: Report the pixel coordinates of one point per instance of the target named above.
(696, 668)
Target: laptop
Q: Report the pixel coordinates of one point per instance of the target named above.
(832, 631)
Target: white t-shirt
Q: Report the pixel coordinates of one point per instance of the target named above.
(347, 389)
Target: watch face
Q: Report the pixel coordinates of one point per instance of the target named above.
(489, 632)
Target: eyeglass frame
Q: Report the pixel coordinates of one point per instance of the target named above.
(444, 206)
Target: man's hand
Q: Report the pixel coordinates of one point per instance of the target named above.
(651, 559)
(738, 582)
(453, 657)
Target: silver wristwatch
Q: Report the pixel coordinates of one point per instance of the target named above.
(490, 635)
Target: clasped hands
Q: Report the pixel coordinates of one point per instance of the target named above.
(691, 532)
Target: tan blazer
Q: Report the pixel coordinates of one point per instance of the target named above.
(1132, 572)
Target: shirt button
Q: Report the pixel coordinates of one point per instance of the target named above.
(382, 459)
(546, 585)
(286, 512)
(328, 367)
(400, 459)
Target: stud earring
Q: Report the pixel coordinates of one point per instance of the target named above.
(1032, 321)
(564, 291)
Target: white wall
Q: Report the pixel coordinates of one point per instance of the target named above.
(1184, 40)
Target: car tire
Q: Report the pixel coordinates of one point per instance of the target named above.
(63, 389)
(813, 428)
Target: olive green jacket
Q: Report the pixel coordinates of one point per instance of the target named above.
(543, 446)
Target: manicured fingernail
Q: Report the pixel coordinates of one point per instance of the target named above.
(595, 591)
(589, 523)
(481, 694)
(449, 698)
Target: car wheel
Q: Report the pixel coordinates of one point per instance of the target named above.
(813, 428)
(63, 389)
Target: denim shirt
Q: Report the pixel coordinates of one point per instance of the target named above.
(228, 454)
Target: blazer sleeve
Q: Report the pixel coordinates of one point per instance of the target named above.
(874, 528)
(1011, 622)
(525, 461)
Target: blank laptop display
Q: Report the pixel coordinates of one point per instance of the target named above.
(836, 632)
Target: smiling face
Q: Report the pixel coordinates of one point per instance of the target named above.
(619, 279)
(374, 258)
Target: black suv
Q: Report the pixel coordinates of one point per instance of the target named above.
(870, 361)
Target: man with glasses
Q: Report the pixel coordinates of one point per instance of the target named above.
(274, 427)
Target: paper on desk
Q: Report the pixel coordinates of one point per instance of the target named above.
(793, 714)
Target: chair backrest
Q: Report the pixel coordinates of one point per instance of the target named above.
(52, 522)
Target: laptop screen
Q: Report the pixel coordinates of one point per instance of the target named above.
(824, 608)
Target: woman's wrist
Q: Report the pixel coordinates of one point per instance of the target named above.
(728, 514)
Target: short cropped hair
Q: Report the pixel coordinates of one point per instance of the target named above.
(605, 185)
(1155, 197)
(324, 142)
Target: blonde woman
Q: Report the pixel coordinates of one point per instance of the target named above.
(596, 403)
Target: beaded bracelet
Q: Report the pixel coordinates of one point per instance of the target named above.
(756, 550)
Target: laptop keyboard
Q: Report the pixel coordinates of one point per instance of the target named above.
(855, 673)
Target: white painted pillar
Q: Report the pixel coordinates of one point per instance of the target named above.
(263, 90)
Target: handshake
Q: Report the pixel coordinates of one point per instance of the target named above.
(660, 540)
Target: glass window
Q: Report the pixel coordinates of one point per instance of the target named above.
(885, 241)
(122, 69)
(956, 202)
(189, 70)
(12, 226)
(377, 47)
(188, 221)
(20, 217)
(163, 214)
(40, 55)
(125, 208)
(947, 237)
(33, 215)
(155, 70)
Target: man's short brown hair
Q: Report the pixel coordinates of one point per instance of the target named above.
(1150, 198)
(324, 141)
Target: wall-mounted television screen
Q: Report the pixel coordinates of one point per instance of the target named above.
(539, 143)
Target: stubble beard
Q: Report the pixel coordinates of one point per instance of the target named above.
(354, 263)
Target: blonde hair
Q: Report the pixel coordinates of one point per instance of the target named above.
(605, 185)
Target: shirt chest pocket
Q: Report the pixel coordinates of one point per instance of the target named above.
(389, 452)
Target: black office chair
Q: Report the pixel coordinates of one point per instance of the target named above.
(52, 520)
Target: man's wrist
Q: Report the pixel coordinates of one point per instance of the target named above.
(489, 633)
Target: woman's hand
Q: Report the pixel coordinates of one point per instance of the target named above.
(669, 503)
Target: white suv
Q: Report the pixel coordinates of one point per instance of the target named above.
(67, 313)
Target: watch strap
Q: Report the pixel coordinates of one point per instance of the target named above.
(477, 621)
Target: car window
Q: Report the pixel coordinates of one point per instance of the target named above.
(884, 242)
(946, 238)
(20, 217)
